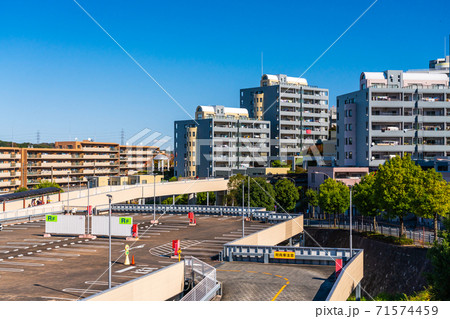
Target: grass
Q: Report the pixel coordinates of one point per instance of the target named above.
(424, 295)
(388, 239)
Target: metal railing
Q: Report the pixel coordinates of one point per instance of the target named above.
(418, 236)
(207, 287)
(303, 255)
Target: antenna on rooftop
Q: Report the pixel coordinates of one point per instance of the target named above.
(262, 63)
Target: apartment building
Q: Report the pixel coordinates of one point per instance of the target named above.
(394, 113)
(10, 168)
(135, 158)
(298, 112)
(219, 140)
(71, 163)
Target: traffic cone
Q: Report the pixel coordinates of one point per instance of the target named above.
(132, 261)
(127, 261)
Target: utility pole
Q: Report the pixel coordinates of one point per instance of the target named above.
(243, 207)
(109, 233)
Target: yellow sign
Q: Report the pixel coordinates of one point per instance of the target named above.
(284, 254)
(127, 248)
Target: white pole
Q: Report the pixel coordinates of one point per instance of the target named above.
(243, 206)
(351, 244)
(109, 232)
(154, 197)
(88, 206)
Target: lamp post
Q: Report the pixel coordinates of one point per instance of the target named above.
(350, 215)
(243, 206)
(109, 233)
(68, 191)
(154, 221)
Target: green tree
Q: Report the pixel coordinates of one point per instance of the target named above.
(434, 197)
(334, 198)
(21, 189)
(278, 163)
(179, 200)
(202, 200)
(396, 187)
(286, 194)
(439, 255)
(233, 197)
(45, 184)
(262, 193)
(173, 179)
(365, 199)
(313, 199)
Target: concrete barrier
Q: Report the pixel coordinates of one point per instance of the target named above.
(160, 285)
(349, 278)
(273, 235)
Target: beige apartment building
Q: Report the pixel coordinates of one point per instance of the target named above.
(70, 163)
(10, 168)
(135, 158)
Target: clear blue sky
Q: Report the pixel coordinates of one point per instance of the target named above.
(62, 76)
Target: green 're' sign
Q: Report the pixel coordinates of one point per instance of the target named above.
(125, 221)
(51, 218)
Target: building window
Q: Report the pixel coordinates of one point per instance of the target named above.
(349, 127)
(350, 155)
(349, 141)
(349, 113)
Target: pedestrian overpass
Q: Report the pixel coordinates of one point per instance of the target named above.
(96, 197)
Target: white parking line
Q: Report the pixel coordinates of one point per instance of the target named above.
(77, 249)
(101, 283)
(123, 276)
(10, 270)
(41, 258)
(125, 269)
(58, 298)
(20, 264)
(77, 290)
(60, 254)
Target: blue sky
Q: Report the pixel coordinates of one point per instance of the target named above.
(60, 74)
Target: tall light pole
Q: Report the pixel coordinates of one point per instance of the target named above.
(109, 233)
(350, 216)
(154, 199)
(68, 190)
(243, 206)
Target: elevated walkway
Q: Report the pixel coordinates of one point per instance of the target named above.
(96, 197)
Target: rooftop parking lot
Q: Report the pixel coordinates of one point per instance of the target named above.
(33, 267)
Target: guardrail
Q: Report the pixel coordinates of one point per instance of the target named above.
(301, 255)
(207, 287)
(183, 209)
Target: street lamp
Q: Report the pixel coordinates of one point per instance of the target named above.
(350, 215)
(109, 233)
(154, 221)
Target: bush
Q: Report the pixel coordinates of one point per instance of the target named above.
(388, 239)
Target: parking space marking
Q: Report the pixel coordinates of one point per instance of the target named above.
(24, 243)
(123, 276)
(4, 251)
(101, 283)
(125, 269)
(19, 247)
(59, 254)
(14, 263)
(77, 249)
(78, 290)
(93, 246)
(10, 270)
(41, 258)
(232, 235)
(58, 298)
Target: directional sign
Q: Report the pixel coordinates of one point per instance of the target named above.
(51, 218)
(125, 221)
(284, 254)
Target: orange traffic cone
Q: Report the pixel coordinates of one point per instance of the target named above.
(132, 260)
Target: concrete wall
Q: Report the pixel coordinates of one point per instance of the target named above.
(273, 235)
(348, 279)
(157, 286)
